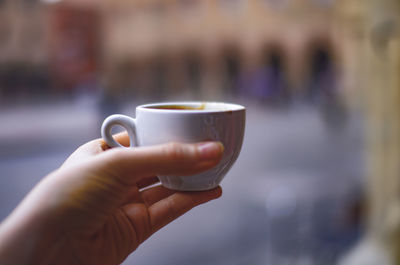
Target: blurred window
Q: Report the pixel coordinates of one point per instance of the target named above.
(30, 2)
(160, 76)
(320, 61)
(323, 78)
(276, 3)
(189, 4)
(74, 47)
(5, 32)
(158, 9)
(233, 5)
(273, 72)
(325, 3)
(194, 72)
(232, 65)
(32, 35)
(268, 81)
(190, 9)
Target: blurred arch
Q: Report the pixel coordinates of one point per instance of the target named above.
(159, 76)
(267, 81)
(193, 70)
(274, 67)
(322, 69)
(232, 66)
(323, 82)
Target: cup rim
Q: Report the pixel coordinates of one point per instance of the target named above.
(226, 107)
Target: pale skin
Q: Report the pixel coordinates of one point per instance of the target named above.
(101, 204)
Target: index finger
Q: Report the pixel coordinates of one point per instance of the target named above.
(122, 138)
(130, 165)
(93, 148)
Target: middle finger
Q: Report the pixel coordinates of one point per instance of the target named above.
(155, 194)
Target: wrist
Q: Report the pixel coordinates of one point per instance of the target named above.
(26, 239)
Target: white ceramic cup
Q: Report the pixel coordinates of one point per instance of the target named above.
(204, 121)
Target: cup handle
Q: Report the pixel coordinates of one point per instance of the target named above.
(129, 125)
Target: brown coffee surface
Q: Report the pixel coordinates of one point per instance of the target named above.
(179, 107)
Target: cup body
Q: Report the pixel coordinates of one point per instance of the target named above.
(222, 122)
(216, 122)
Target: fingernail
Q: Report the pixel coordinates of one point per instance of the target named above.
(210, 150)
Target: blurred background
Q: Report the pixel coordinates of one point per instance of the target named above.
(319, 79)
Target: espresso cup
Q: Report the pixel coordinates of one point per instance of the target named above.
(186, 122)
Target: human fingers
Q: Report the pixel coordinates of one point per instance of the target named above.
(155, 194)
(122, 138)
(130, 166)
(84, 152)
(148, 196)
(93, 148)
(166, 210)
(110, 180)
(134, 194)
(146, 182)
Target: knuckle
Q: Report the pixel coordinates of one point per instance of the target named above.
(119, 153)
(117, 158)
(171, 206)
(174, 151)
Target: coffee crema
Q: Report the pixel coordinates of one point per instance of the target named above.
(179, 107)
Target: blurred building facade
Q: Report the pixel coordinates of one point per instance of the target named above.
(383, 100)
(213, 49)
(22, 32)
(23, 47)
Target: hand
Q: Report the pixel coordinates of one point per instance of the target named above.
(102, 204)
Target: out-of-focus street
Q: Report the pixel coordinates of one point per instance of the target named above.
(292, 197)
